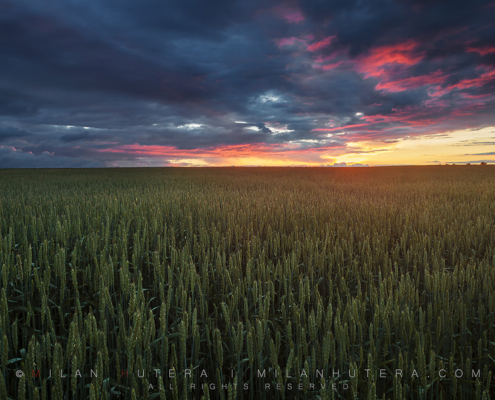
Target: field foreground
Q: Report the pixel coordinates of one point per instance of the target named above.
(249, 283)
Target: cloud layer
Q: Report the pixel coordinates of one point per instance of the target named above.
(125, 83)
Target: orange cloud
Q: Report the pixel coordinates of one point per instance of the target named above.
(242, 154)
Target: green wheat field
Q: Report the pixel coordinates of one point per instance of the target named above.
(247, 283)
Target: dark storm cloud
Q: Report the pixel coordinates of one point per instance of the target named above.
(14, 105)
(362, 25)
(16, 158)
(78, 79)
(12, 133)
(75, 137)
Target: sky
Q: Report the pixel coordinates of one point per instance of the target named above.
(125, 83)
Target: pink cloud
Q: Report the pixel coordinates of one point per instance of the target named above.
(377, 62)
(321, 59)
(327, 66)
(470, 102)
(418, 117)
(475, 96)
(290, 14)
(294, 16)
(481, 50)
(321, 44)
(480, 81)
(287, 41)
(413, 82)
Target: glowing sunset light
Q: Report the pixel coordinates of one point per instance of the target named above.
(360, 149)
